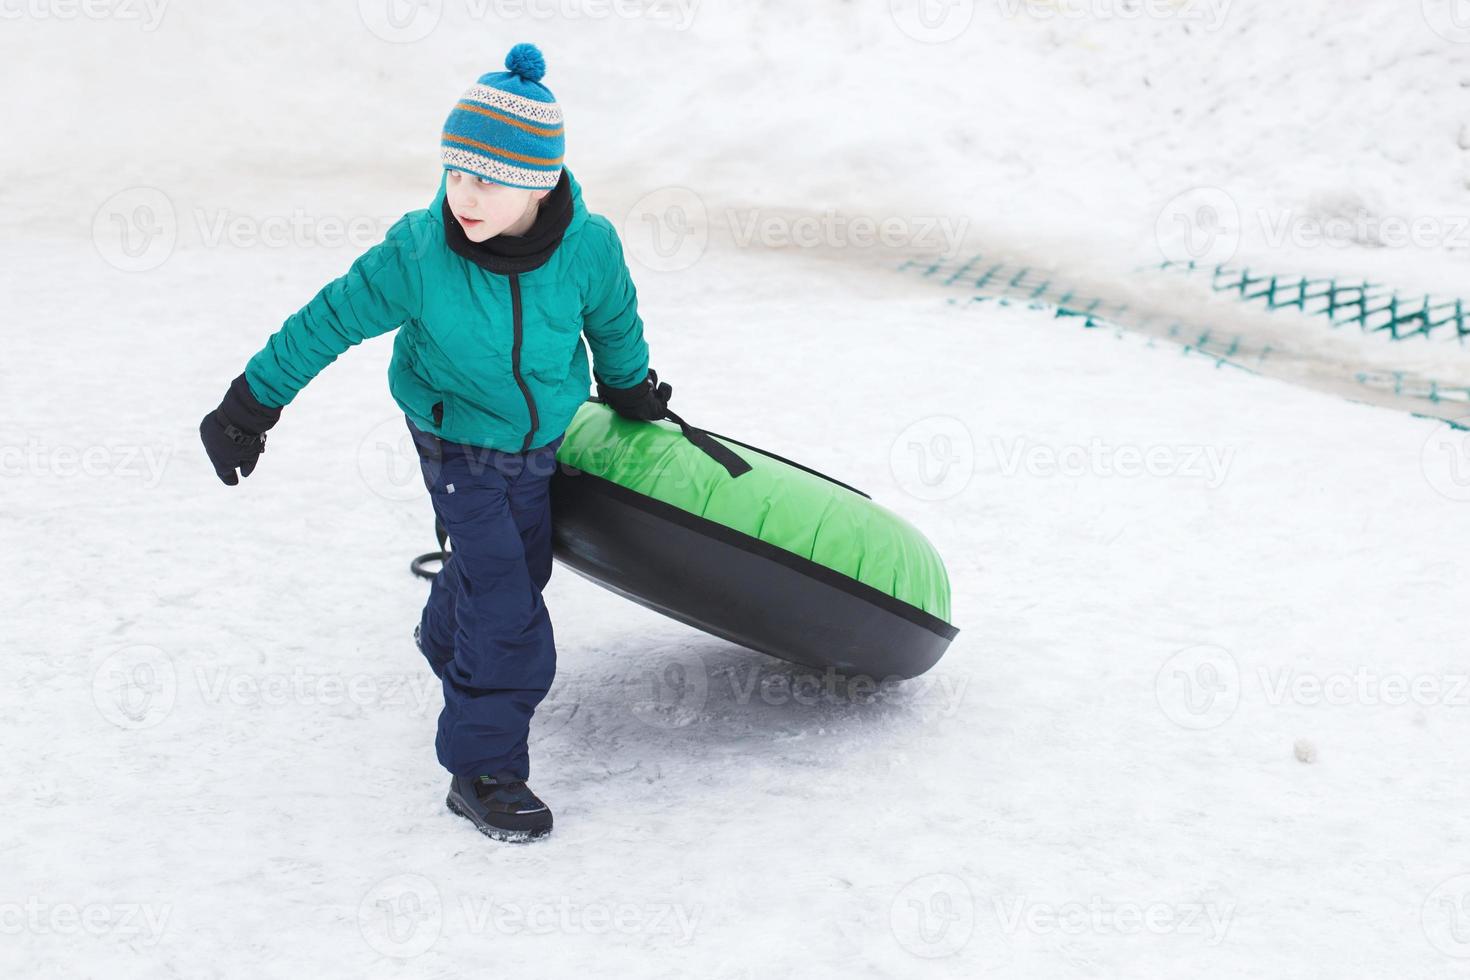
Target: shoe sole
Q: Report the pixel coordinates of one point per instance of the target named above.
(494, 833)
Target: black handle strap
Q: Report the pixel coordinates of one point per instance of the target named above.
(717, 451)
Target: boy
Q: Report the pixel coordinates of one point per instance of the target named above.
(491, 290)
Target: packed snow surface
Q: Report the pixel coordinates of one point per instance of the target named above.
(1208, 711)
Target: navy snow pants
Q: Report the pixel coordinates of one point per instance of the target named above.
(485, 629)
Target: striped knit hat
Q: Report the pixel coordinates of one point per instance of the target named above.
(508, 128)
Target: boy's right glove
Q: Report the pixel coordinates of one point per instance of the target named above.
(643, 402)
(234, 434)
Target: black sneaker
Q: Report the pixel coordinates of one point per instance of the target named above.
(503, 807)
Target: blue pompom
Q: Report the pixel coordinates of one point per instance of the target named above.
(525, 61)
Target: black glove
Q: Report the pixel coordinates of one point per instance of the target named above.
(644, 402)
(234, 433)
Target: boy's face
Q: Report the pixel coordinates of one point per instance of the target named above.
(484, 208)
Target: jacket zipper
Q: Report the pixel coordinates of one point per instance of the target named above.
(515, 357)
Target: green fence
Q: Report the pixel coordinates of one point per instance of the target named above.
(1370, 306)
(1373, 307)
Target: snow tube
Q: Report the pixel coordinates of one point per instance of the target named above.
(780, 558)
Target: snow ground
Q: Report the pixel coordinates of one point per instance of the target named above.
(218, 734)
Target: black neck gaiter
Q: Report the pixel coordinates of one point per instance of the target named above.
(505, 254)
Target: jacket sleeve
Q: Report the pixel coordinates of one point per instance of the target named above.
(610, 318)
(381, 290)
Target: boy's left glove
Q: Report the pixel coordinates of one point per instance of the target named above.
(234, 434)
(643, 402)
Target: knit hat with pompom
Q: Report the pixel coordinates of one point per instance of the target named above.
(508, 128)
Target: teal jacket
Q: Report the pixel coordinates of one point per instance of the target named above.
(482, 358)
